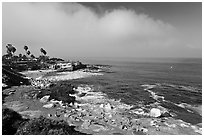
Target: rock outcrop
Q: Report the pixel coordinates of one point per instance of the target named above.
(155, 112)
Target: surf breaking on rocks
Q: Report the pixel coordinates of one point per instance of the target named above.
(94, 113)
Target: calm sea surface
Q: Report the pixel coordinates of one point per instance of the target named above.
(175, 81)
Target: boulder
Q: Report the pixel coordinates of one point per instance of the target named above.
(44, 99)
(155, 112)
(144, 130)
(107, 107)
(4, 85)
(86, 124)
(49, 105)
(101, 106)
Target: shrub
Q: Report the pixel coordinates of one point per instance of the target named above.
(45, 126)
(13, 123)
(59, 91)
(11, 120)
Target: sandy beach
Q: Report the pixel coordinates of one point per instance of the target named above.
(36, 73)
(60, 76)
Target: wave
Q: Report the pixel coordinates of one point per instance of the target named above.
(181, 108)
(95, 102)
(191, 108)
(181, 87)
(153, 94)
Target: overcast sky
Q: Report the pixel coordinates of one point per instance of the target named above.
(104, 29)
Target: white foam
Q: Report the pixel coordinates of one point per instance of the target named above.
(153, 94)
(98, 101)
(83, 89)
(148, 87)
(38, 78)
(187, 88)
(197, 129)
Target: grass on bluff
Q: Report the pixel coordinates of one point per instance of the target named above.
(14, 124)
(60, 92)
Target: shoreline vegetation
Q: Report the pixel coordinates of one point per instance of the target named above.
(45, 103)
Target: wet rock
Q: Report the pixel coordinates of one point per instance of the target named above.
(166, 114)
(44, 99)
(155, 112)
(50, 105)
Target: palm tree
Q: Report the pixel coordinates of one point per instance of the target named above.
(28, 52)
(32, 56)
(43, 51)
(13, 50)
(10, 49)
(20, 55)
(25, 48)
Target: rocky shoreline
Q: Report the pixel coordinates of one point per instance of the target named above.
(91, 111)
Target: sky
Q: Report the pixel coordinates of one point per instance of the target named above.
(116, 29)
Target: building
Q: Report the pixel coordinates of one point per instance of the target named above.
(63, 66)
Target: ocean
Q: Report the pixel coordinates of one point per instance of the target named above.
(173, 83)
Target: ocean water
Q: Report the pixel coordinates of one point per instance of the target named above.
(170, 82)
